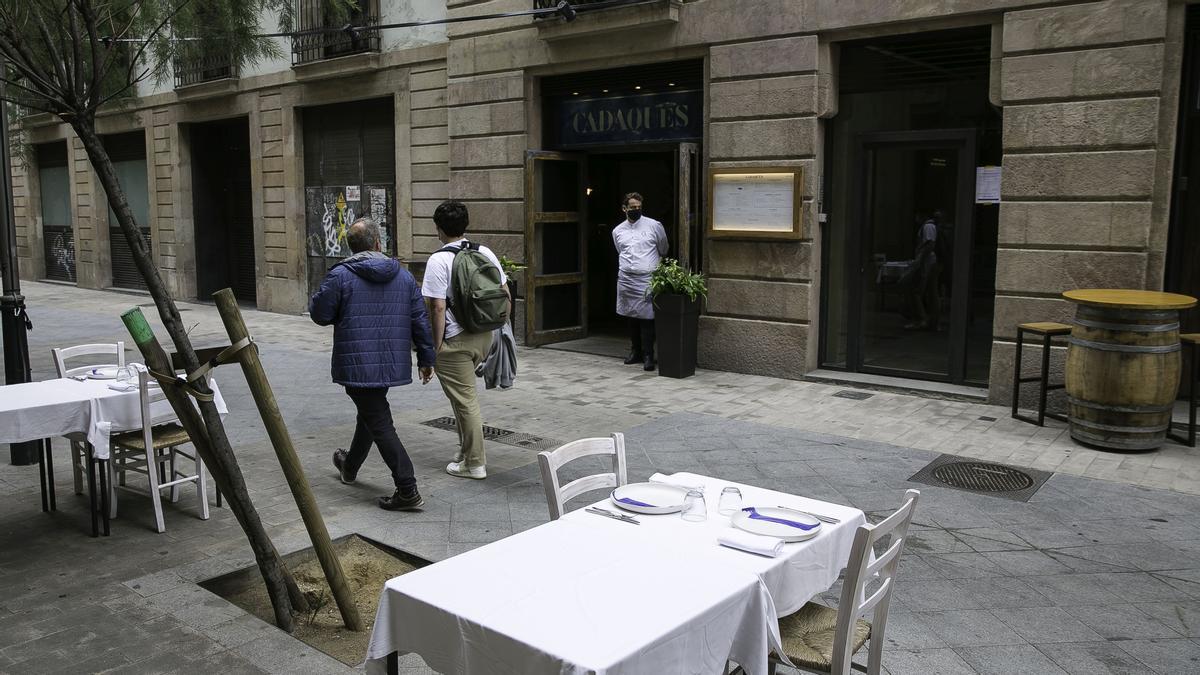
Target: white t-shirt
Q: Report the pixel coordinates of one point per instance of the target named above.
(436, 283)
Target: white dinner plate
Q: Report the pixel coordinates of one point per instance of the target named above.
(103, 373)
(772, 521)
(651, 498)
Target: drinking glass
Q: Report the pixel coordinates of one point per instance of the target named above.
(731, 501)
(126, 376)
(694, 508)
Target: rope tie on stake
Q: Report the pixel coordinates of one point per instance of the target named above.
(227, 355)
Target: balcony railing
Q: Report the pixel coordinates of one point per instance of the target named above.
(355, 34)
(584, 4)
(191, 70)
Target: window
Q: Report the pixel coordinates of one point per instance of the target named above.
(352, 33)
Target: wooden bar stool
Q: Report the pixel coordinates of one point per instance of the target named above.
(1191, 344)
(1048, 330)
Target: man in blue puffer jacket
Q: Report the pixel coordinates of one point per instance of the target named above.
(377, 314)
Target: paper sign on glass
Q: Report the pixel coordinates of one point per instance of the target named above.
(987, 185)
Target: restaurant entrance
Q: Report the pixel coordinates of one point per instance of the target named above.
(611, 133)
(575, 202)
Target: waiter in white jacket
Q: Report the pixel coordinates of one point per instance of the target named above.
(641, 243)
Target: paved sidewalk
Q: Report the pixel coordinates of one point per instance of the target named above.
(1091, 576)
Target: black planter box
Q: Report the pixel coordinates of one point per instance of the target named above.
(677, 322)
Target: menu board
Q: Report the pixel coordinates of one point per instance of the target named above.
(755, 203)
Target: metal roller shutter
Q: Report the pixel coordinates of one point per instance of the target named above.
(128, 153)
(58, 237)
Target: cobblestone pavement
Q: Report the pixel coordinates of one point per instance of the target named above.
(1090, 576)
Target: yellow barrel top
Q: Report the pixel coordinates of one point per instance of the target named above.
(1129, 298)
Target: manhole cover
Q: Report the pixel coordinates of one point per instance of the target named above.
(506, 436)
(982, 476)
(856, 395)
(970, 475)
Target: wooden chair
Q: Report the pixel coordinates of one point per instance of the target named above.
(1191, 343)
(142, 451)
(1047, 330)
(551, 460)
(116, 356)
(822, 639)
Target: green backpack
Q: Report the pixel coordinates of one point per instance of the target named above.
(477, 296)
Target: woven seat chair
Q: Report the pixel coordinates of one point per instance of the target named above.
(154, 450)
(114, 354)
(551, 460)
(822, 639)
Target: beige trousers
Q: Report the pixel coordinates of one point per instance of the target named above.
(455, 367)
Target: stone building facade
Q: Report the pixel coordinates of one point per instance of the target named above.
(1077, 103)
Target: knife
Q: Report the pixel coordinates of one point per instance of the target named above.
(823, 519)
(610, 514)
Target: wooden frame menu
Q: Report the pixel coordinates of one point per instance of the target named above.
(756, 203)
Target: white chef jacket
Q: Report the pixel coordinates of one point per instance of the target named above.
(640, 244)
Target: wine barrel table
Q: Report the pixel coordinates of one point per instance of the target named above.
(1123, 361)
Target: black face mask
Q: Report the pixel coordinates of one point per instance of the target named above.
(633, 215)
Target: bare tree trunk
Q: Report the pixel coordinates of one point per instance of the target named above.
(221, 461)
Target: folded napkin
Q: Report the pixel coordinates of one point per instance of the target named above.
(668, 480)
(751, 543)
(115, 386)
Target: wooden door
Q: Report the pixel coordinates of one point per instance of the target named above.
(555, 247)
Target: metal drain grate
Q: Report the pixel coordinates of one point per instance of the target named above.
(499, 435)
(968, 475)
(856, 395)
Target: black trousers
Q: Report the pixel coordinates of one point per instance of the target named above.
(641, 336)
(375, 426)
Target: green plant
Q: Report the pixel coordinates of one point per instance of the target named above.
(510, 266)
(670, 278)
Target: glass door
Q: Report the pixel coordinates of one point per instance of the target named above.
(911, 251)
(555, 247)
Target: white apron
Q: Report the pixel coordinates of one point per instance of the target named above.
(631, 295)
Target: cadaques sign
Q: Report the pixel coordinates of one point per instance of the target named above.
(646, 118)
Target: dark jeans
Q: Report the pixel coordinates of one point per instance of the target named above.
(641, 336)
(375, 426)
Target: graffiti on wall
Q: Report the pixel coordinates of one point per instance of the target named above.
(60, 253)
(329, 211)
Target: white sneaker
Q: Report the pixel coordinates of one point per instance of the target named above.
(459, 469)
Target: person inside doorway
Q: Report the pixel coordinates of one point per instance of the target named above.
(925, 299)
(641, 243)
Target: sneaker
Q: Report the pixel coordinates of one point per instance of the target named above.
(634, 357)
(401, 501)
(460, 469)
(339, 462)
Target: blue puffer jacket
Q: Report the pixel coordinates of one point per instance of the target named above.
(377, 314)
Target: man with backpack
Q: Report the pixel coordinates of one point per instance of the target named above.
(468, 298)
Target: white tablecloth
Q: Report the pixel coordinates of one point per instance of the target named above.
(87, 409)
(588, 594)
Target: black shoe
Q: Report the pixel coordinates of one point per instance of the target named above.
(339, 462)
(648, 364)
(408, 501)
(633, 358)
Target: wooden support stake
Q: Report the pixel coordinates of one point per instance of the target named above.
(268, 409)
(224, 471)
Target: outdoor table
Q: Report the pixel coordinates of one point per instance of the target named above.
(1123, 363)
(589, 594)
(83, 410)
